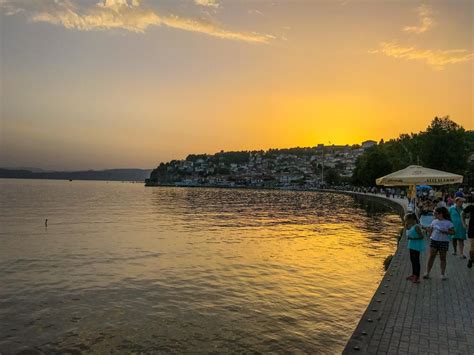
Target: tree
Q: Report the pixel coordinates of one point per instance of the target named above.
(332, 177)
(373, 164)
(402, 151)
(444, 146)
(469, 174)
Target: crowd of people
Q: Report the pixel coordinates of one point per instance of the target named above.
(424, 193)
(445, 219)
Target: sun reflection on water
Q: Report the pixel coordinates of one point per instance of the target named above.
(130, 268)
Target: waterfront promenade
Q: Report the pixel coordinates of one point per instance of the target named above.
(433, 317)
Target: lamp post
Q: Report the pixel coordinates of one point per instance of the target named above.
(322, 167)
(322, 171)
(409, 153)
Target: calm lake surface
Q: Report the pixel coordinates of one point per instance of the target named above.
(132, 269)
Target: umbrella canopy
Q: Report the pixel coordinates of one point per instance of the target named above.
(418, 175)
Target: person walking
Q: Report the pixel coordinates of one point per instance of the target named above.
(459, 193)
(426, 214)
(469, 213)
(431, 194)
(440, 203)
(449, 201)
(459, 236)
(439, 231)
(416, 245)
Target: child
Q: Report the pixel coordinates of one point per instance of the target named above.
(440, 230)
(416, 245)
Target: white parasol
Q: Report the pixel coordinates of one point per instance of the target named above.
(418, 175)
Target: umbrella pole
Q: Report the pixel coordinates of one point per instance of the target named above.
(412, 200)
(415, 199)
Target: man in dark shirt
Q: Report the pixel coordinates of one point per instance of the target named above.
(469, 211)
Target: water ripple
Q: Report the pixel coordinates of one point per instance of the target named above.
(131, 269)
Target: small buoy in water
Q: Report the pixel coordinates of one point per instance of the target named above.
(46, 222)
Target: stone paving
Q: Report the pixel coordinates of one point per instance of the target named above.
(433, 317)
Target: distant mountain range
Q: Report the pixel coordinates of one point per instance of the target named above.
(109, 175)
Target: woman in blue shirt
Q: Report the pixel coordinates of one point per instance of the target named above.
(460, 230)
(469, 214)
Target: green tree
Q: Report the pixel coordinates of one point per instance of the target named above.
(402, 151)
(444, 146)
(373, 164)
(331, 177)
(469, 174)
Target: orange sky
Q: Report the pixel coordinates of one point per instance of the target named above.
(102, 84)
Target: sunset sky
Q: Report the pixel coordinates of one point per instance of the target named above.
(116, 83)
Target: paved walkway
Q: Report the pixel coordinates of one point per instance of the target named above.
(433, 317)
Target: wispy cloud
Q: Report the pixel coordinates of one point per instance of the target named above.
(255, 11)
(119, 14)
(208, 3)
(438, 59)
(344, 2)
(425, 16)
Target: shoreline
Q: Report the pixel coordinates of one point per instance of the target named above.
(355, 343)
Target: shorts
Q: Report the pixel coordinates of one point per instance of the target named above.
(439, 246)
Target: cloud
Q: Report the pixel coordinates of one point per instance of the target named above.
(208, 3)
(426, 20)
(438, 59)
(119, 14)
(116, 4)
(344, 2)
(255, 11)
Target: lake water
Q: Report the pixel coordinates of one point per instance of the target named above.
(132, 269)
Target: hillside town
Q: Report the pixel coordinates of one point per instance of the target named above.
(304, 168)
